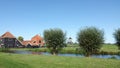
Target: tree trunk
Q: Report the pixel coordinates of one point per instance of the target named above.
(88, 54)
(54, 53)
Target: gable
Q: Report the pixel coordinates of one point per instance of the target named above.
(7, 35)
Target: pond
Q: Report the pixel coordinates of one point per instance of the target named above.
(72, 55)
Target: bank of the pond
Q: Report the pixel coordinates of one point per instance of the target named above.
(71, 50)
(64, 54)
(64, 50)
(8, 60)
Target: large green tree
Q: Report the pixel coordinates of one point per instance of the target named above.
(117, 37)
(55, 40)
(90, 40)
(20, 38)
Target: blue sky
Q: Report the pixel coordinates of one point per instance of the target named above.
(30, 17)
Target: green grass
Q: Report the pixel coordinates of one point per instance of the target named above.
(41, 61)
(110, 48)
(105, 47)
(4, 49)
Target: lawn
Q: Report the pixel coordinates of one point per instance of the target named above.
(42, 61)
(110, 48)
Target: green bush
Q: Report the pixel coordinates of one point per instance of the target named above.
(4, 49)
(90, 40)
(55, 40)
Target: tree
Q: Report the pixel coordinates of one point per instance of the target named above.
(90, 40)
(20, 38)
(55, 40)
(117, 37)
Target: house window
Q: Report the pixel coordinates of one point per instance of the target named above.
(1, 40)
(34, 42)
(39, 41)
(9, 39)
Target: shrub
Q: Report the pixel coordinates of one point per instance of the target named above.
(3, 49)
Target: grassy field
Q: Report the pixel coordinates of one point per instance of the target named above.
(42, 61)
(110, 48)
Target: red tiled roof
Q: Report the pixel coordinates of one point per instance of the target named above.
(29, 42)
(26, 42)
(7, 35)
(37, 37)
(34, 44)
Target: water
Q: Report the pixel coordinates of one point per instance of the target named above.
(72, 55)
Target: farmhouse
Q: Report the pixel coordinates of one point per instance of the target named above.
(9, 40)
(35, 42)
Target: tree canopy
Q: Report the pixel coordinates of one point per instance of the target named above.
(55, 40)
(20, 38)
(117, 37)
(90, 39)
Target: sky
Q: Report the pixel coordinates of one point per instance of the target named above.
(30, 17)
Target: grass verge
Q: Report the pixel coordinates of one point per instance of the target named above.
(42, 61)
